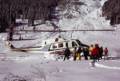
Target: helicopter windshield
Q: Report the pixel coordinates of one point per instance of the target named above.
(81, 44)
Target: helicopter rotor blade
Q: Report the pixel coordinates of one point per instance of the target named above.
(65, 30)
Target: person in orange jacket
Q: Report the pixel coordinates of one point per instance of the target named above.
(90, 50)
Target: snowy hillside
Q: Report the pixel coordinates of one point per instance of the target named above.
(86, 16)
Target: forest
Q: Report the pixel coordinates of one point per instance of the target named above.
(111, 9)
(43, 10)
(32, 10)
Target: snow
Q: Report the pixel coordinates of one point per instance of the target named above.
(21, 66)
(107, 67)
(48, 70)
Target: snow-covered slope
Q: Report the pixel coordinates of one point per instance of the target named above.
(86, 16)
(35, 70)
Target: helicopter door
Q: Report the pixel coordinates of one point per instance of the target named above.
(69, 44)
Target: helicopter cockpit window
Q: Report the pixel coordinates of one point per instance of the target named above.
(74, 44)
(54, 46)
(60, 45)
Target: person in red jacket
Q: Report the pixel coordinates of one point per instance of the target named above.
(94, 54)
(95, 51)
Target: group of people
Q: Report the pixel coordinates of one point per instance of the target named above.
(93, 52)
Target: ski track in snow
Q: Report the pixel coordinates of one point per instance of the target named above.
(107, 67)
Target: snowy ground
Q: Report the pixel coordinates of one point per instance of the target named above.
(31, 68)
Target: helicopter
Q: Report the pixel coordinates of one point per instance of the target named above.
(57, 46)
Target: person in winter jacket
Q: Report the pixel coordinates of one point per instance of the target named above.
(98, 54)
(78, 53)
(90, 50)
(101, 52)
(66, 53)
(74, 54)
(106, 53)
(86, 53)
(94, 54)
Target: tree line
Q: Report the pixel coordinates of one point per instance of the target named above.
(111, 9)
(10, 10)
(32, 10)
